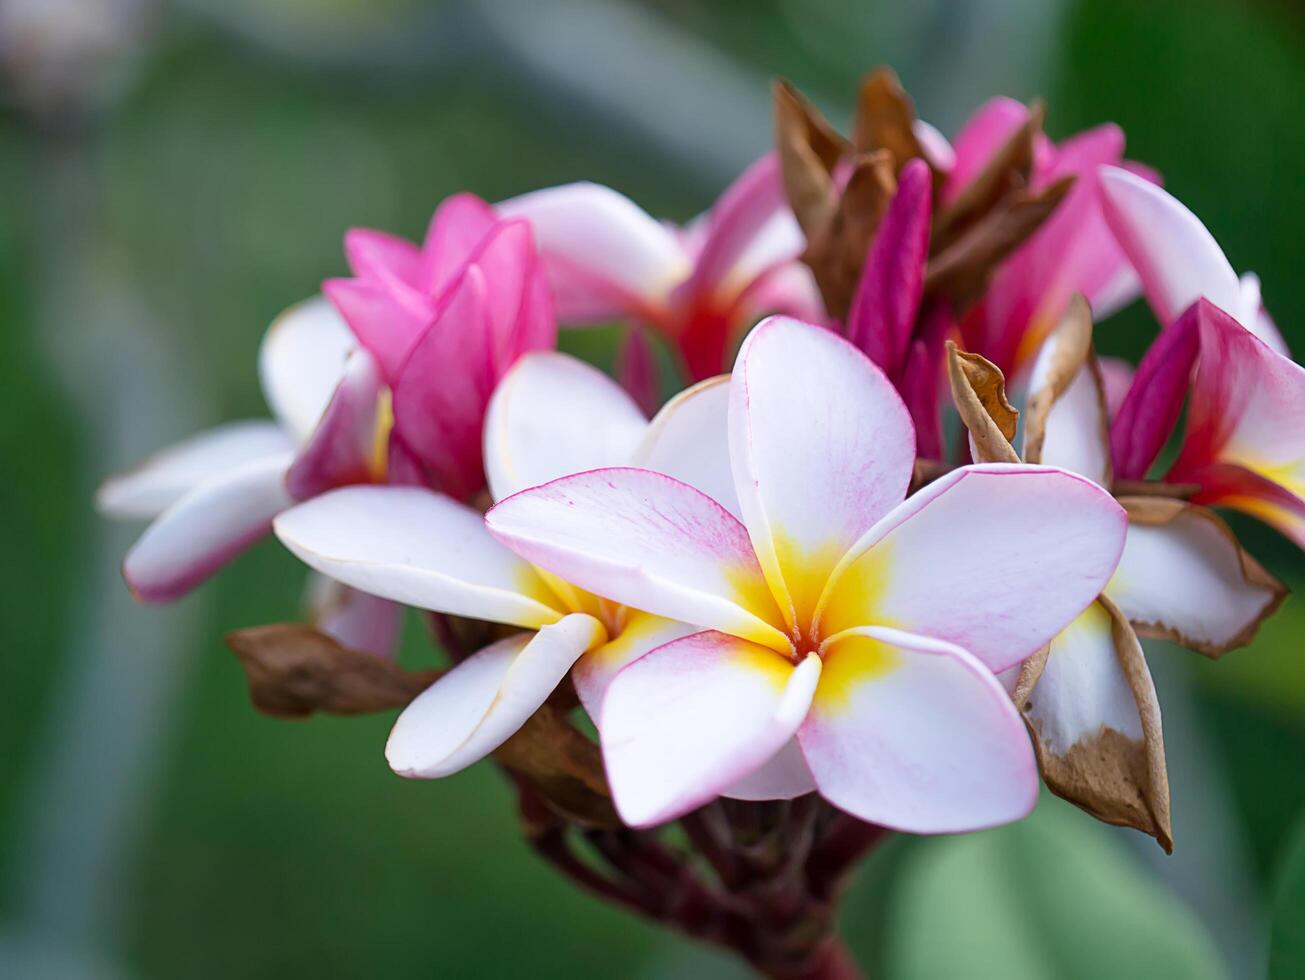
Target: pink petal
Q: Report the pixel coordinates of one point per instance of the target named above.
(936, 148)
(484, 700)
(888, 294)
(923, 378)
(647, 541)
(377, 255)
(418, 548)
(167, 476)
(916, 734)
(788, 289)
(343, 449)
(640, 632)
(996, 558)
(1117, 377)
(686, 721)
(384, 326)
(443, 390)
(981, 137)
(637, 369)
(554, 415)
(519, 308)
(1229, 485)
(355, 619)
(458, 226)
(605, 256)
(821, 448)
(689, 440)
(300, 362)
(206, 528)
(1150, 410)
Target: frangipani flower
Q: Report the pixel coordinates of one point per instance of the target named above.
(699, 286)
(1088, 696)
(215, 494)
(864, 626)
(1176, 257)
(550, 416)
(445, 322)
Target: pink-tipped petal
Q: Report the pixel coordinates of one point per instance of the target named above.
(693, 717)
(343, 449)
(357, 620)
(301, 361)
(418, 548)
(995, 558)
(605, 256)
(164, 478)
(821, 447)
(378, 255)
(553, 415)
(483, 701)
(916, 734)
(458, 226)
(887, 299)
(689, 440)
(639, 633)
(647, 541)
(936, 148)
(206, 528)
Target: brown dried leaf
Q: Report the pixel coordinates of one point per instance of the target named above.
(884, 118)
(836, 251)
(961, 270)
(1005, 173)
(564, 766)
(1161, 511)
(808, 149)
(1111, 776)
(295, 670)
(979, 391)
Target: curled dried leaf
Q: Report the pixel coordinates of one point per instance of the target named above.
(1118, 777)
(564, 767)
(961, 270)
(1069, 351)
(808, 149)
(979, 391)
(885, 118)
(295, 670)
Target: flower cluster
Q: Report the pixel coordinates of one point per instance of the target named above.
(800, 575)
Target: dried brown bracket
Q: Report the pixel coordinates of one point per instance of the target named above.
(971, 234)
(759, 879)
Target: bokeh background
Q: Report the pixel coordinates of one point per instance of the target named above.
(172, 174)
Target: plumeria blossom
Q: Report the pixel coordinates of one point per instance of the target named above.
(444, 322)
(699, 286)
(1088, 696)
(550, 416)
(1177, 259)
(847, 637)
(215, 494)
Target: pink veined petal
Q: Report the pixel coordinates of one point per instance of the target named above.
(383, 325)
(377, 255)
(553, 415)
(1177, 259)
(981, 137)
(168, 475)
(605, 256)
(1117, 378)
(355, 619)
(784, 776)
(1186, 579)
(648, 541)
(205, 529)
(750, 230)
(637, 369)
(458, 226)
(821, 447)
(888, 294)
(443, 390)
(695, 716)
(418, 548)
(689, 440)
(343, 447)
(301, 361)
(1149, 411)
(996, 558)
(640, 632)
(483, 701)
(916, 734)
(935, 145)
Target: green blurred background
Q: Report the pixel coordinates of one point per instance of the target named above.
(173, 174)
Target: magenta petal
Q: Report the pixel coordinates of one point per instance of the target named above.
(1150, 410)
(922, 380)
(443, 390)
(1229, 485)
(892, 282)
(386, 328)
(459, 225)
(518, 302)
(342, 449)
(377, 255)
(636, 369)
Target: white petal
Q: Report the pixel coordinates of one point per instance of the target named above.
(689, 440)
(301, 361)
